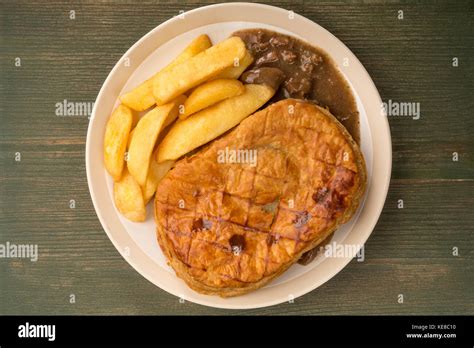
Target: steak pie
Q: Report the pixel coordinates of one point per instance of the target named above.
(230, 224)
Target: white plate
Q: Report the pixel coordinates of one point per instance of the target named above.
(137, 243)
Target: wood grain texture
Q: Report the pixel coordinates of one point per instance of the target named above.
(410, 250)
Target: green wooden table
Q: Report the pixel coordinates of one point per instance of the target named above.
(47, 57)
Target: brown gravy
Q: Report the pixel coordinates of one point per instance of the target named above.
(308, 73)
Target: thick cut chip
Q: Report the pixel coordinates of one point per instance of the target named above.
(141, 97)
(210, 93)
(115, 140)
(208, 124)
(144, 138)
(234, 72)
(129, 199)
(198, 69)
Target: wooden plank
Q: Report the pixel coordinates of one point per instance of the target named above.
(410, 251)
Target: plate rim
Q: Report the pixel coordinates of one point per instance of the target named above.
(382, 194)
